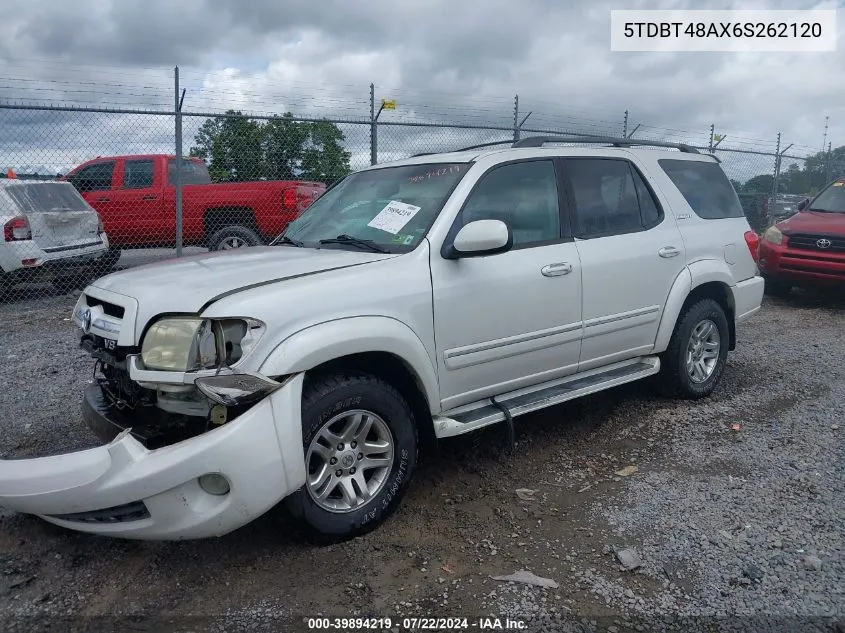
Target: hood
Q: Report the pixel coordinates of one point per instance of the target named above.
(815, 223)
(187, 284)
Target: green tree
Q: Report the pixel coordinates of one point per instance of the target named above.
(236, 147)
(283, 143)
(231, 145)
(759, 184)
(324, 159)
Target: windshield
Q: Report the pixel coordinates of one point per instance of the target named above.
(832, 199)
(46, 196)
(392, 207)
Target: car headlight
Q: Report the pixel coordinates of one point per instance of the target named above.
(191, 344)
(773, 234)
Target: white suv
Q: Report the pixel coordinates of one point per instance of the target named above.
(414, 300)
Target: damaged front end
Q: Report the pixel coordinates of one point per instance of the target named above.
(193, 447)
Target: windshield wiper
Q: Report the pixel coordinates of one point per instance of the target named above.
(822, 210)
(349, 239)
(284, 239)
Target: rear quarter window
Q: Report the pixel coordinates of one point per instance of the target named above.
(705, 187)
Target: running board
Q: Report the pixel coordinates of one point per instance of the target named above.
(474, 416)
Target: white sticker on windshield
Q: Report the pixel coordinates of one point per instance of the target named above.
(394, 217)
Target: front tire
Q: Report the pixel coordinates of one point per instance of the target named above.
(698, 352)
(360, 446)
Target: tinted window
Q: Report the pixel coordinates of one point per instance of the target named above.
(605, 195)
(522, 195)
(138, 174)
(194, 172)
(705, 187)
(95, 177)
(650, 212)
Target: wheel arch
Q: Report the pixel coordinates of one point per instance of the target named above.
(381, 346)
(216, 218)
(706, 279)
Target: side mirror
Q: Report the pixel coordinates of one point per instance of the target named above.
(481, 237)
(803, 204)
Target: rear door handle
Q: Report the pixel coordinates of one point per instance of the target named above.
(148, 197)
(556, 270)
(669, 251)
(102, 199)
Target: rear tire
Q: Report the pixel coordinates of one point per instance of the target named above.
(375, 465)
(233, 237)
(698, 351)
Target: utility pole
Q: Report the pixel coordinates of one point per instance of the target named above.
(625, 125)
(712, 131)
(515, 118)
(824, 138)
(774, 184)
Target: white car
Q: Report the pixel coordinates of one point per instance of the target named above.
(49, 231)
(414, 300)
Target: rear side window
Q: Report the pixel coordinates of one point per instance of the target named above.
(705, 187)
(138, 174)
(194, 172)
(610, 197)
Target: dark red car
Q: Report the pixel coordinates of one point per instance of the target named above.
(808, 248)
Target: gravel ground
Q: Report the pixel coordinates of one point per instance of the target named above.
(729, 510)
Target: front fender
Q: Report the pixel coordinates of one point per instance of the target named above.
(327, 341)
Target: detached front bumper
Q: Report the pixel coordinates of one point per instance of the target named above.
(125, 490)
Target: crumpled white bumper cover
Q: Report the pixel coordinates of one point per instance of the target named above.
(123, 489)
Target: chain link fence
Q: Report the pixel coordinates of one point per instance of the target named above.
(86, 191)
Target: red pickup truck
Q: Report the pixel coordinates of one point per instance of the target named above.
(136, 199)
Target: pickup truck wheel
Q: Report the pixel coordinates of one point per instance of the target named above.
(697, 353)
(360, 446)
(232, 237)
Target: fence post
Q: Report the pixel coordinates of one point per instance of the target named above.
(373, 127)
(515, 118)
(771, 214)
(828, 172)
(712, 132)
(178, 175)
(625, 125)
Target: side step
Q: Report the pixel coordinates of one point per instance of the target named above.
(484, 413)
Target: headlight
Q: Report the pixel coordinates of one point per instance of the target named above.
(191, 344)
(773, 235)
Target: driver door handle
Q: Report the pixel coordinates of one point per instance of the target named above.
(556, 270)
(669, 251)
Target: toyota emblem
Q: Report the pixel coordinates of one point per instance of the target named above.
(823, 243)
(86, 321)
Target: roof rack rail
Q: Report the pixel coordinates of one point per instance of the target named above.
(539, 141)
(466, 149)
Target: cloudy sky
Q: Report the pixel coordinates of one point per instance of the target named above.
(441, 60)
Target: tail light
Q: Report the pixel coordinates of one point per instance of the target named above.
(16, 230)
(753, 242)
(289, 199)
(100, 228)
